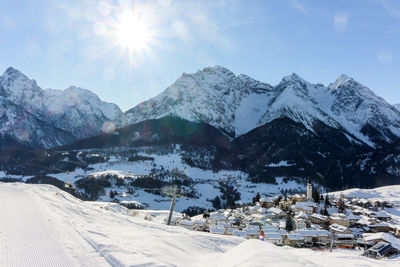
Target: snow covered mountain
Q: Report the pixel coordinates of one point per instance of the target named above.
(397, 106)
(212, 95)
(238, 104)
(35, 117)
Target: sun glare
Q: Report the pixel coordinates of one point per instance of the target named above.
(133, 32)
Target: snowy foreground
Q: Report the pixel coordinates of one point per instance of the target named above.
(43, 226)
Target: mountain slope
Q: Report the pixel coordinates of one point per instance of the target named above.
(238, 104)
(165, 131)
(49, 117)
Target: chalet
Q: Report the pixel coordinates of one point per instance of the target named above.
(319, 219)
(346, 240)
(300, 223)
(339, 229)
(190, 225)
(278, 213)
(299, 198)
(274, 238)
(308, 207)
(267, 202)
(379, 250)
(379, 227)
(352, 218)
(315, 235)
(381, 215)
(252, 233)
(339, 220)
(379, 237)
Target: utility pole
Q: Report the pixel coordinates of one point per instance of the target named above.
(171, 210)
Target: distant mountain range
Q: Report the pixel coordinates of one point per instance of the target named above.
(31, 117)
(239, 104)
(339, 135)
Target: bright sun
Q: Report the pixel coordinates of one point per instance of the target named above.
(133, 32)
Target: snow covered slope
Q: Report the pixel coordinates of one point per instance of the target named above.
(75, 112)
(44, 226)
(397, 106)
(238, 104)
(385, 193)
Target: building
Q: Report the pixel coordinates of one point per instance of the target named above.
(339, 229)
(309, 190)
(278, 213)
(274, 238)
(339, 219)
(379, 250)
(311, 236)
(319, 219)
(294, 240)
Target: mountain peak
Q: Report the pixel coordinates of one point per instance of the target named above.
(293, 77)
(12, 73)
(340, 81)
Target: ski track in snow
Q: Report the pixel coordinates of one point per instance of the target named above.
(28, 238)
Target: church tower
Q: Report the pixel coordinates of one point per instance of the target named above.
(309, 190)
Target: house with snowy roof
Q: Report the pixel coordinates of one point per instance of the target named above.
(278, 213)
(379, 237)
(339, 229)
(315, 235)
(190, 225)
(274, 238)
(293, 239)
(338, 219)
(319, 219)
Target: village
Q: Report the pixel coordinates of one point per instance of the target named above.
(305, 221)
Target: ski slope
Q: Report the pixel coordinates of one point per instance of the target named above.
(30, 236)
(44, 226)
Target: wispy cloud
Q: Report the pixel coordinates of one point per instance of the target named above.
(385, 57)
(340, 22)
(297, 5)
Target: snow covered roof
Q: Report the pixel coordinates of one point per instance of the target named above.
(273, 235)
(319, 216)
(338, 228)
(217, 230)
(295, 236)
(383, 236)
(187, 223)
(239, 233)
(301, 215)
(314, 233)
(275, 210)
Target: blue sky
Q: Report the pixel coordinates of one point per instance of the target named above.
(63, 43)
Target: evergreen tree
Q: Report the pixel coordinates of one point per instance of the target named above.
(276, 201)
(289, 223)
(216, 203)
(315, 195)
(256, 198)
(326, 212)
(327, 203)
